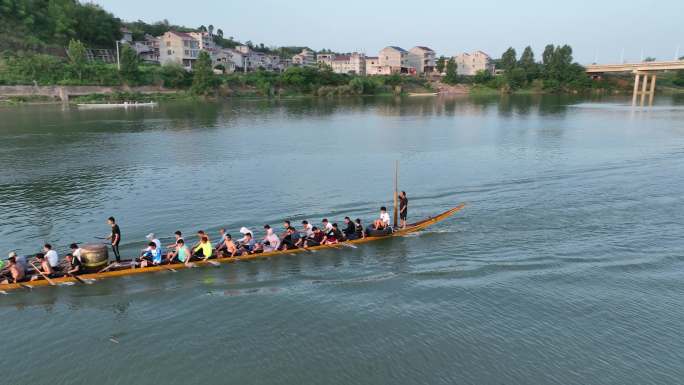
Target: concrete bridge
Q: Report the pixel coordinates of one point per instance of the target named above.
(643, 69)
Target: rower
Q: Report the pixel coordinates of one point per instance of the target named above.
(75, 266)
(271, 241)
(221, 244)
(21, 260)
(173, 248)
(350, 229)
(327, 226)
(51, 256)
(315, 239)
(152, 255)
(403, 209)
(360, 233)
(247, 243)
(115, 238)
(152, 238)
(290, 240)
(334, 236)
(203, 250)
(182, 252)
(307, 228)
(44, 268)
(76, 251)
(200, 234)
(229, 248)
(16, 271)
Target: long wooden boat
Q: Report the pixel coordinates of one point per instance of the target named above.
(117, 105)
(410, 228)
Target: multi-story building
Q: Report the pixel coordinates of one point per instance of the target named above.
(394, 60)
(305, 58)
(373, 66)
(148, 49)
(325, 58)
(470, 63)
(178, 47)
(354, 63)
(423, 59)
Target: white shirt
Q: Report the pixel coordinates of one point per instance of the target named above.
(273, 240)
(77, 253)
(328, 228)
(53, 258)
(384, 217)
(308, 229)
(156, 242)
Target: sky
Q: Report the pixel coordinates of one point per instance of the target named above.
(603, 31)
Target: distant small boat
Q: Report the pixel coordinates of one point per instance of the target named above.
(116, 105)
(422, 94)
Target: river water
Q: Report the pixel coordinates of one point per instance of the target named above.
(566, 266)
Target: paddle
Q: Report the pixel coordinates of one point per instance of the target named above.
(76, 278)
(51, 282)
(108, 267)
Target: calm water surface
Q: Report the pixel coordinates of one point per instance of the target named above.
(565, 268)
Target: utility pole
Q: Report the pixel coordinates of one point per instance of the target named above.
(118, 61)
(677, 53)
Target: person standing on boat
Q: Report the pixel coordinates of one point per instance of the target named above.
(403, 209)
(115, 238)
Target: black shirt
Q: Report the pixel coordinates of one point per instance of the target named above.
(403, 204)
(74, 263)
(359, 230)
(115, 232)
(350, 230)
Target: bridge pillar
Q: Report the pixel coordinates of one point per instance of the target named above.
(644, 87)
(652, 92)
(636, 89)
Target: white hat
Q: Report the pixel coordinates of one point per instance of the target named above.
(244, 231)
(12, 254)
(150, 236)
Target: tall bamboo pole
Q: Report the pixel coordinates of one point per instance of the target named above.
(396, 193)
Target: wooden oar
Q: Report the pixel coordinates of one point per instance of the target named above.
(346, 244)
(51, 282)
(76, 278)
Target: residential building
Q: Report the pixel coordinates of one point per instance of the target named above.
(354, 63)
(126, 35)
(423, 59)
(305, 58)
(325, 58)
(394, 60)
(178, 47)
(470, 63)
(206, 41)
(148, 49)
(373, 66)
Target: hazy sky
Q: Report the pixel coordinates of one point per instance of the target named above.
(598, 29)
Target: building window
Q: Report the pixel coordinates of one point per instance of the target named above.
(169, 52)
(168, 44)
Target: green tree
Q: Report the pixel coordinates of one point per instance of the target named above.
(649, 59)
(77, 57)
(451, 72)
(203, 77)
(548, 54)
(508, 59)
(130, 72)
(441, 64)
(482, 77)
(516, 78)
(528, 64)
(219, 32)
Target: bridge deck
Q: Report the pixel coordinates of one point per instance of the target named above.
(636, 67)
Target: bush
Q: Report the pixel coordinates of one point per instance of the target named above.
(175, 76)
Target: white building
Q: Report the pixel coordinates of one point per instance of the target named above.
(354, 63)
(305, 58)
(178, 47)
(423, 59)
(470, 63)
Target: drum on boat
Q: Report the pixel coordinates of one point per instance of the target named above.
(94, 256)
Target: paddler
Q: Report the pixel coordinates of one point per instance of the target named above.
(16, 271)
(43, 267)
(229, 248)
(221, 244)
(75, 266)
(76, 251)
(271, 241)
(315, 239)
(182, 252)
(349, 229)
(152, 255)
(115, 238)
(173, 248)
(203, 250)
(51, 256)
